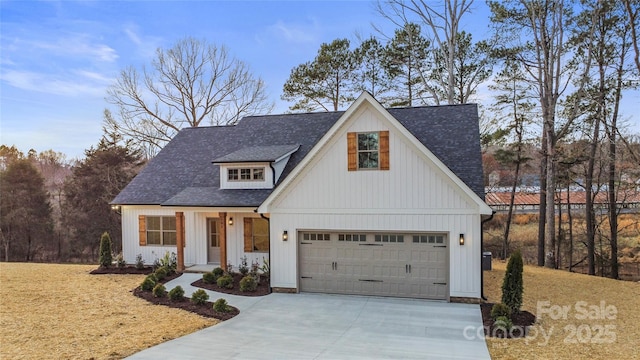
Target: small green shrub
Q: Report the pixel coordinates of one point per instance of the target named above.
(503, 323)
(218, 272)
(225, 281)
(199, 297)
(177, 293)
(209, 278)
(139, 262)
(500, 310)
(148, 283)
(221, 306)
(159, 291)
(248, 283)
(105, 257)
(512, 286)
(161, 273)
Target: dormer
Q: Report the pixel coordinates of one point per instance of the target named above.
(255, 167)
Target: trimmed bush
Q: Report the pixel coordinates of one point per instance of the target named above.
(120, 261)
(209, 278)
(177, 293)
(512, 286)
(159, 291)
(221, 306)
(161, 273)
(218, 272)
(199, 297)
(225, 281)
(503, 323)
(105, 257)
(500, 310)
(243, 268)
(248, 283)
(148, 283)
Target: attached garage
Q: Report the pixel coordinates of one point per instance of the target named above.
(382, 263)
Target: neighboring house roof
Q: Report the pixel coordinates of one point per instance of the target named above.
(182, 174)
(502, 199)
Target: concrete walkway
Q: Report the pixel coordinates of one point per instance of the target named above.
(320, 326)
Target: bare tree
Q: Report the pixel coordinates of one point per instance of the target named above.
(444, 25)
(190, 84)
(632, 9)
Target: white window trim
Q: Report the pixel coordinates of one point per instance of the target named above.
(252, 171)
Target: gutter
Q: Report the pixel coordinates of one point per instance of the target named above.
(481, 247)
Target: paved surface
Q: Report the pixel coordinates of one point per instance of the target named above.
(320, 326)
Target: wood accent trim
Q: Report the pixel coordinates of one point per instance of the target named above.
(180, 239)
(352, 151)
(142, 230)
(248, 235)
(384, 150)
(222, 233)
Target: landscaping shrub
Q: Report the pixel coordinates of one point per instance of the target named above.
(159, 291)
(105, 257)
(177, 293)
(218, 272)
(221, 306)
(248, 283)
(512, 286)
(503, 323)
(139, 262)
(209, 278)
(244, 266)
(161, 273)
(225, 281)
(148, 283)
(500, 310)
(199, 297)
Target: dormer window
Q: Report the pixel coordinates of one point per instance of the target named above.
(246, 174)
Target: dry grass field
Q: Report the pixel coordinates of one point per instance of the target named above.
(50, 311)
(610, 334)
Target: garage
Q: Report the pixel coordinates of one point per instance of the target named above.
(411, 265)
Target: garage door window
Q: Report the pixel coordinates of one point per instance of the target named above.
(316, 236)
(352, 237)
(428, 239)
(390, 238)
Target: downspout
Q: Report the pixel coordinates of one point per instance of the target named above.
(273, 177)
(481, 255)
(269, 226)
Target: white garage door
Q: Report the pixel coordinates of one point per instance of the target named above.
(384, 264)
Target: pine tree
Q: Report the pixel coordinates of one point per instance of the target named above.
(105, 250)
(512, 285)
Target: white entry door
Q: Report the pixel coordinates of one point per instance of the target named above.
(213, 241)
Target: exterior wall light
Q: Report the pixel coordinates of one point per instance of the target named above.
(230, 221)
(285, 236)
(461, 239)
(116, 208)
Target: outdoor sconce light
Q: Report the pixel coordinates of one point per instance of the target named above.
(230, 221)
(461, 239)
(285, 236)
(116, 208)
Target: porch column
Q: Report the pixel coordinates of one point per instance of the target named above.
(180, 240)
(222, 231)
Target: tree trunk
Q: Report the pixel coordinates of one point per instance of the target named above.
(589, 212)
(570, 227)
(550, 233)
(543, 201)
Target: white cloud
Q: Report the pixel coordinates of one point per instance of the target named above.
(294, 33)
(87, 84)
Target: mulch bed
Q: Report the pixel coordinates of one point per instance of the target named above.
(262, 289)
(521, 323)
(205, 310)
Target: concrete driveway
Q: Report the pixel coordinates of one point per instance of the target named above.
(319, 326)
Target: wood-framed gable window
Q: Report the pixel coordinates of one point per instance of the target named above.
(157, 230)
(246, 174)
(368, 150)
(256, 235)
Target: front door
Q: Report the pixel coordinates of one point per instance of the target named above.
(213, 241)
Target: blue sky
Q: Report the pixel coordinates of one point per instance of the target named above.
(57, 58)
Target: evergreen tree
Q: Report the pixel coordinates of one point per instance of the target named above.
(512, 285)
(106, 258)
(371, 74)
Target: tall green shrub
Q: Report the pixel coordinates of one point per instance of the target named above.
(512, 286)
(105, 258)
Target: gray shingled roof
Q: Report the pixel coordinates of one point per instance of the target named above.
(257, 154)
(182, 174)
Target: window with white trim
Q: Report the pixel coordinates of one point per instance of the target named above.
(245, 174)
(368, 150)
(161, 230)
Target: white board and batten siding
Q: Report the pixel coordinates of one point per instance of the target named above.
(414, 196)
